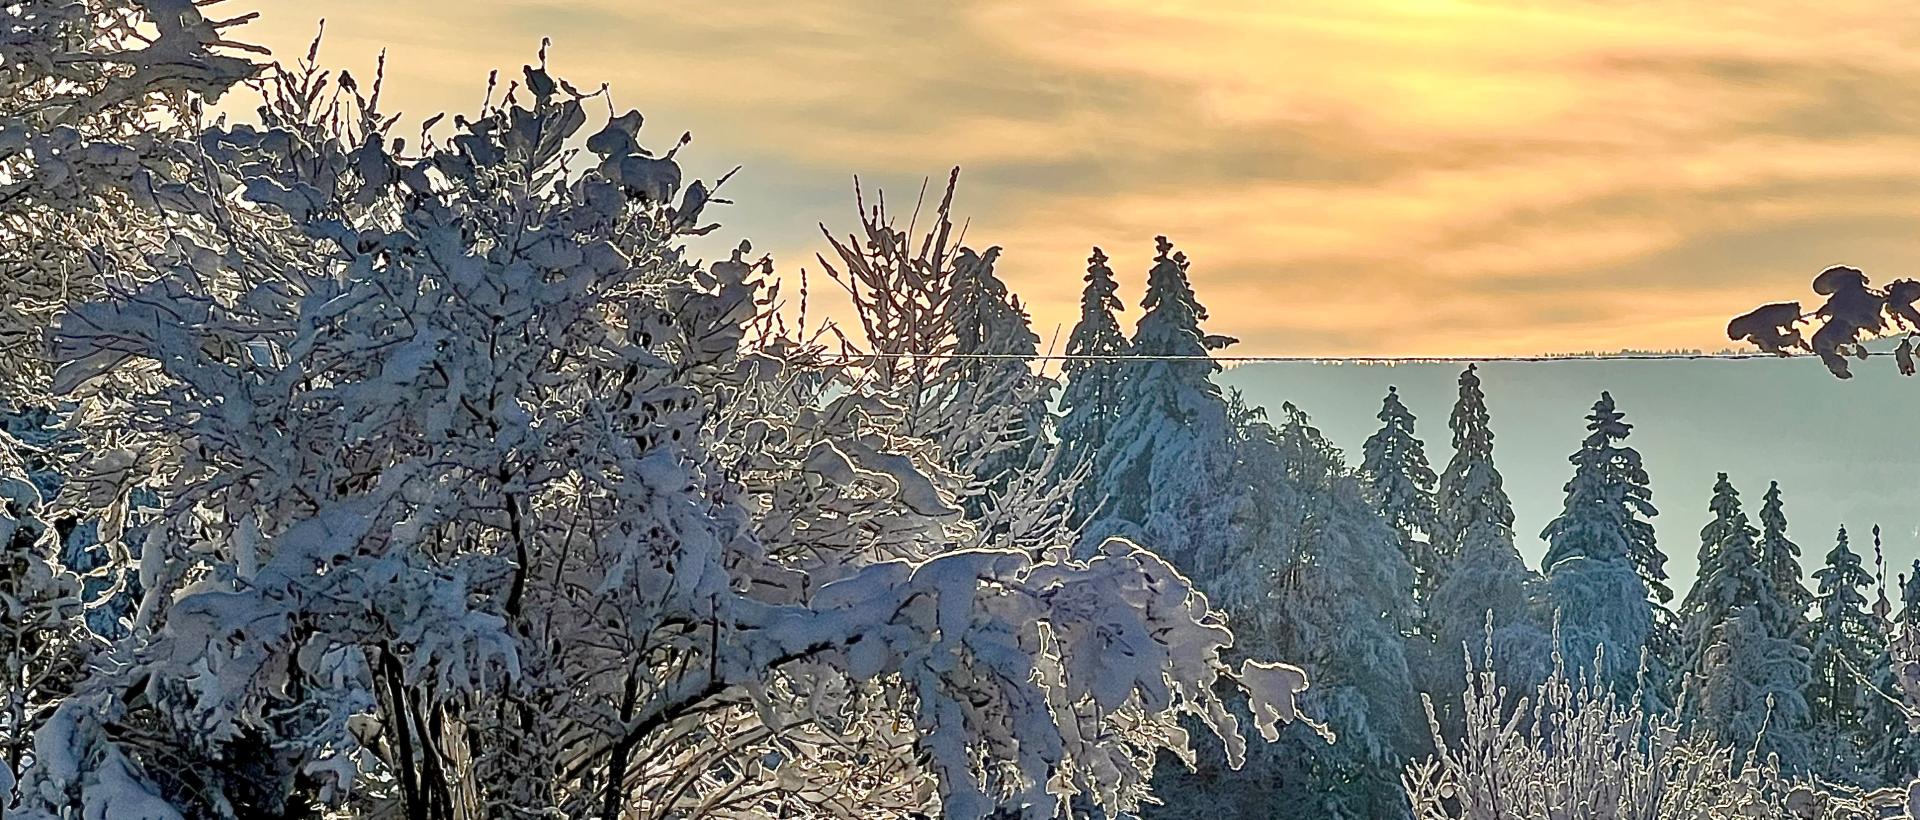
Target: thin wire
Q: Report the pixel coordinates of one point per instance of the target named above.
(1730, 355)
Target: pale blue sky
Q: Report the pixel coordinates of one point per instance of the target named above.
(1843, 451)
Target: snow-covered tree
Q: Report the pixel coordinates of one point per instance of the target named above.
(1846, 639)
(1608, 503)
(992, 375)
(1167, 459)
(1602, 529)
(1401, 482)
(476, 501)
(1893, 751)
(1781, 557)
(1480, 573)
(1743, 683)
(948, 337)
(1094, 394)
(1319, 572)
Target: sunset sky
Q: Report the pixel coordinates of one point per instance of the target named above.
(1349, 176)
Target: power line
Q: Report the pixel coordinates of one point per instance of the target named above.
(1730, 355)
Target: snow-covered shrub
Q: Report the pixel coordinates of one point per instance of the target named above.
(941, 333)
(44, 642)
(98, 105)
(1575, 749)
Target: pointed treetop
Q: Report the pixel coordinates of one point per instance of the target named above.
(1608, 503)
(1093, 396)
(1882, 608)
(1471, 492)
(1781, 558)
(1910, 596)
(1170, 299)
(1842, 573)
(1401, 481)
(1472, 433)
(1730, 574)
(987, 317)
(1097, 333)
(1101, 287)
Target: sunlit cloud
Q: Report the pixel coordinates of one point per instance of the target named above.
(1349, 176)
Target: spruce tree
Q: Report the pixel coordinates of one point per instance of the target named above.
(1740, 677)
(1845, 643)
(1478, 572)
(1781, 557)
(1090, 402)
(991, 381)
(1168, 456)
(1401, 484)
(1602, 529)
(1318, 577)
(1608, 503)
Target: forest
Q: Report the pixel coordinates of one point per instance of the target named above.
(353, 468)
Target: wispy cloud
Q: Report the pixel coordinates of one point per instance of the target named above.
(1350, 176)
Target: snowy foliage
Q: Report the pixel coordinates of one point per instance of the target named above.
(945, 335)
(1854, 313)
(1780, 556)
(1743, 683)
(1480, 574)
(1473, 504)
(45, 644)
(1091, 401)
(353, 474)
(97, 101)
(1601, 534)
(1608, 503)
(1577, 751)
(1893, 751)
(478, 499)
(991, 375)
(1400, 482)
(1319, 574)
(1167, 460)
(1846, 640)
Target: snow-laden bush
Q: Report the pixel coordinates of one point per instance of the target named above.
(98, 105)
(1576, 750)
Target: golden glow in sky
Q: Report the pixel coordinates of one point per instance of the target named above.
(1348, 176)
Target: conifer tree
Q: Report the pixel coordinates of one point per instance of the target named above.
(991, 379)
(1608, 503)
(1317, 571)
(1602, 528)
(1091, 400)
(1478, 573)
(1781, 557)
(1168, 455)
(1401, 483)
(1740, 677)
(1845, 643)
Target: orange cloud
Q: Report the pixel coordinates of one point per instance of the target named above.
(1349, 176)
